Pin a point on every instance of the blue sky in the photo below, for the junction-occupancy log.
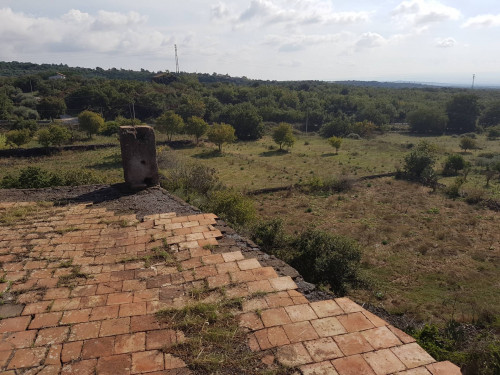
(409, 40)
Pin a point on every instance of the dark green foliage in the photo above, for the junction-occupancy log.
(419, 164)
(231, 206)
(493, 133)
(18, 137)
(36, 177)
(51, 107)
(325, 258)
(269, 235)
(25, 113)
(453, 164)
(245, 119)
(19, 124)
(109, 128)
(427, 120)
(475, 354)
(6, 106)
(337, 127)
(491, 115)
(463, 111)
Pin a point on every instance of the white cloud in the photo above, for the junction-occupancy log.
(421, 13)
(219, 11)
(297, 42)
(483, 20)
(446, 43)
(105, 32)
(370, 40)
(298, 12)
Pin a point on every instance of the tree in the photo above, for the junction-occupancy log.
(18, 137)
(245, 119)
(283, 135)
(463, 110)
(220, 134)
(90, 122)
(191, 106)
(51, 107)
(420, 162)
(427, 120)
(335, 142)
(170, 123)
(453, 164)
(491, 115)
(6, 106)
(196, 126)
(467, 143)
(337, 127)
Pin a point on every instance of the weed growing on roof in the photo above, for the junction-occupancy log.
(214, 343)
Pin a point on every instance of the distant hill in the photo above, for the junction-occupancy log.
(392, 85)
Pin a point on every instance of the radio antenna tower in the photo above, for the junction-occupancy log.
(473, 79)
(176, 60)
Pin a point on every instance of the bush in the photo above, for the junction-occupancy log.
(427, 120)
(454, 190)
(335, 142)
(36, 178)
(269, 235)
(493, 133)
(419, 164)
(328, 259)
(467, 143)
(109, 128)
(55, 135)
(18, 137)
(231, 206)
(453, 164)
(337, 127)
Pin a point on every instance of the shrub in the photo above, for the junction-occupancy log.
(231, 206)
(419, 164)
(328, 259)
(467, 143)
(18, 137)
(454, 190)
(54, 135)
(453, 164)
(337, 127)
(493, 133)
(427, 120)
(20, 124)
(474, 196)
(109, 128)
(335, 142)
(36, 178)
(269, 235)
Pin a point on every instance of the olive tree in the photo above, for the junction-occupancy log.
(170, 123)
(90, 122)
(283, 135)
(220, 134)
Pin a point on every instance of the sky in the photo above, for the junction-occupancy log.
(444, 41)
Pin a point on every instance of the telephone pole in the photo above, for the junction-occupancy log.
(176, 60)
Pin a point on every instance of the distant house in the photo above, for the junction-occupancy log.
(58, 76)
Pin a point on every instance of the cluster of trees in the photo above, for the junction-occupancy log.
(463, 113)
(333, 109)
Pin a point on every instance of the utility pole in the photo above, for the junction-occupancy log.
(473, 79)
(176, 60)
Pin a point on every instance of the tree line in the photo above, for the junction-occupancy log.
(329, 108)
